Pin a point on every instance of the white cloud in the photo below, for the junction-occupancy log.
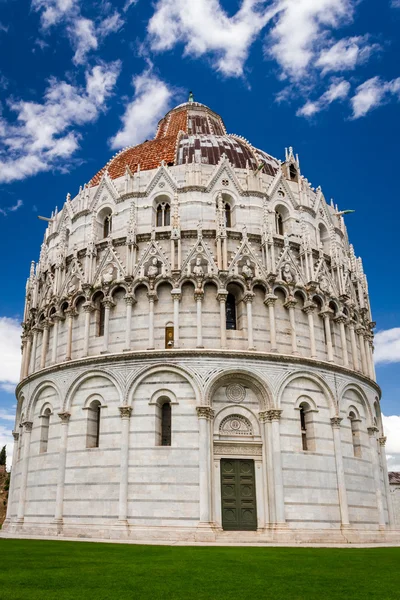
(301, 30)
(346, 54)
(16, 206)
(10, 351)
(373, 93)
(110, 24)
(44, 134)
(6, 415)
(54, 11)
(151, 101)
(395, 3)
(387, 346)
(338, 90)
(128, 4)
(391, 427)
(83, 38)
(205, 28)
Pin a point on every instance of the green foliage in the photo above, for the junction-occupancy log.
(60, 570)
(3, 456)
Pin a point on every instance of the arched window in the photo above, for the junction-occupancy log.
(306, 427)
(166, 424)
(293, 173)
(93, 425)
(107, 225)
(230, 311)
(355, 434)
(278, 223)
(101, 320)
(228, 215)
(44, 430)
(163, 215)
(324, 238)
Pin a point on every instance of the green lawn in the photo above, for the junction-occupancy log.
(81, 570)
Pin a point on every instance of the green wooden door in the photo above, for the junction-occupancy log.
(238, 495)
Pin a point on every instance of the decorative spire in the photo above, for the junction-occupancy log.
(191, 97)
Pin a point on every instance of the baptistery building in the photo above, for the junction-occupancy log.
(197, 355)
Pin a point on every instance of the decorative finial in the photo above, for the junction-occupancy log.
(191, 97)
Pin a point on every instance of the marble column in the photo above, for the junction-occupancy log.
(129, 302)
(54, 347)
(88, 308)
(389, 502)
(248, 299)
(27, 425)
(372, 431)
(205, 415)
(309, 309)
(269, 301)
(290, 306)
(62, 459)
(341, 483)
(108, 304)
(369, 356)
(24, 342)
(176, 296)
(199, 295)
(35, 331)
(275, 416)
(221, 297)
(354, 350)
(45, 343)
(268, 471)
(326, 315)
(342, 320)
(152, 298)
(28, 355)
(70, 317)
(364, 366)
(12, 481)
(125, 412)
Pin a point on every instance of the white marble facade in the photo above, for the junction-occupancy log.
(229, 292)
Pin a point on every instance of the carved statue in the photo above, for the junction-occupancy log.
(324, 284)
(287, 274)
(108, 275)
(198, 269)
(152, 270)
(247, 270)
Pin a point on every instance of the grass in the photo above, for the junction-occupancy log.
(33, 570)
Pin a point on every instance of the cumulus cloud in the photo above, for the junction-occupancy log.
(301, 30)
(10, 353)
(346, 54)
(373, 93)
(44, 134)
(151, 101)
(391, 426)
(203, 27)
(84, 34)
(387, 346)
(338, 90)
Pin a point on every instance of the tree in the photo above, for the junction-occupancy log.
(3, 456)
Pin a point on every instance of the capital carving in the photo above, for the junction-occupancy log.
(274, 414)
(88, 307)
(64, 416)
(372, 431)
(176, 295)
(326, 313)
(70, 312)
(27, 425)
(264, 416)
(309, 307)
(335, 422)
(198, 295)
(248, 297)
(270, 299)
(222, 295)
(205, 412)
(290, 303)
(382, 440)
(152, 296)
(360, 331)
(130, 299)
(125, 411)
(341, 318)
(15, 435)
(108, 303)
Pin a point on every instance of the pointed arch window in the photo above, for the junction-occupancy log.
(44, 430)
(93, 425)
(355, 434)
(278, 223)
(107, 225)
(167, 215)
(230, 311)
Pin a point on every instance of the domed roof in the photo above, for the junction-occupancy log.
(190, 132)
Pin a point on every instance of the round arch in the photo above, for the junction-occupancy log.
(87, 375)
(253, 381)
(363, 397)
(36, 393)
(317, 380)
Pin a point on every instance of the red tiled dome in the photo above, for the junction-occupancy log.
(190, 132)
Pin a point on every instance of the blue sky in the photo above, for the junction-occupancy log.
(78, 80)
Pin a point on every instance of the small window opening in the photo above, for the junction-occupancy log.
(278, 223)
(355, 434)
(307, 427)
(303, 429)
(230, 310)
(159, 216)
(107, 226)
(228, 215)
(101, 321)
(167, 215)
(44, 431)
(93, 425)
(163, 215)
(166, 424)
(293, 172)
